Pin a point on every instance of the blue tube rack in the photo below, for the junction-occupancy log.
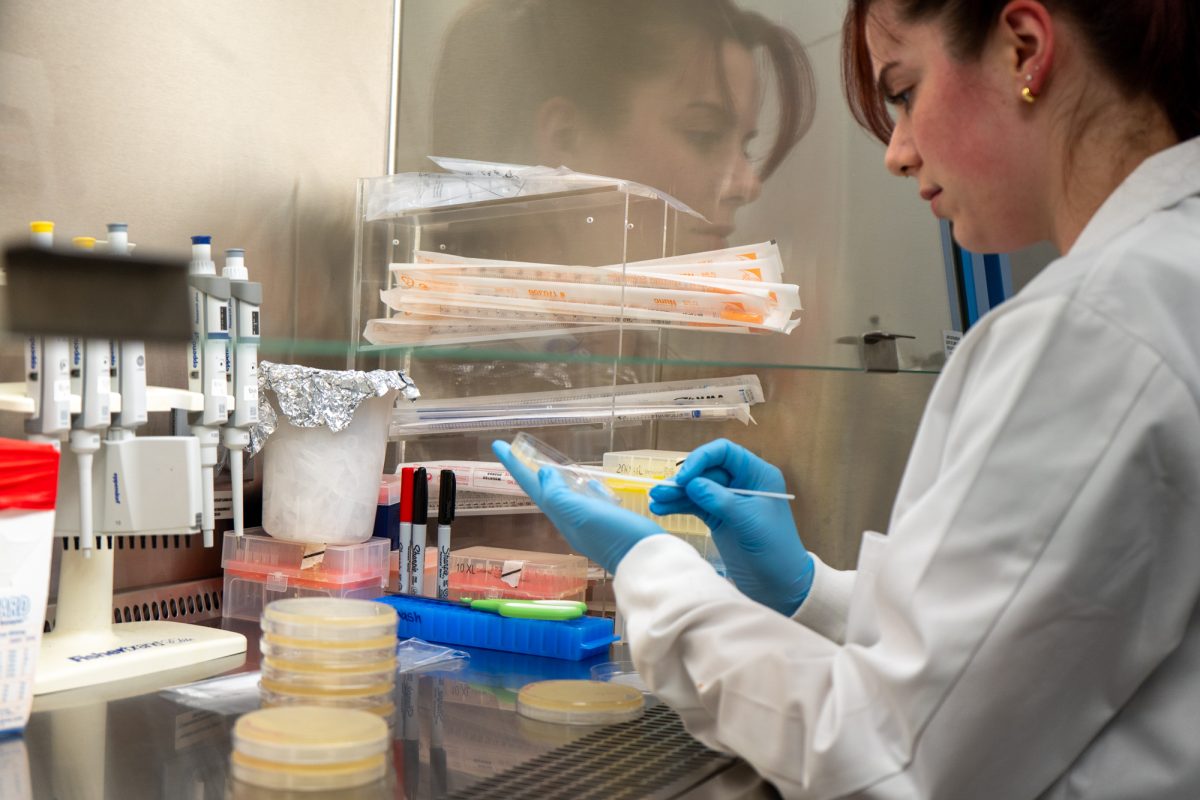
(449, 623)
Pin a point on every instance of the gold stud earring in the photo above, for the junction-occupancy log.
(1027, 93)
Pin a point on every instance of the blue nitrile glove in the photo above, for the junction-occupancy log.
(602, 531)
(757, 536)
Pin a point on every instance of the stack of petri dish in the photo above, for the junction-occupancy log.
(327, 651)
(309, 749)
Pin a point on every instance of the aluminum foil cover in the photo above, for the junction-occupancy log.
(310, 397)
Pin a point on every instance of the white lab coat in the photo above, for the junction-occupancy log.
(1028, 627)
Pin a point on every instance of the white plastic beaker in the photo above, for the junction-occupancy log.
(323, 487)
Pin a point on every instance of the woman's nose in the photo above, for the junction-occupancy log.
(743, 184)
(901, 157)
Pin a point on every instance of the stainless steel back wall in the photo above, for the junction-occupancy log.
(247, 121)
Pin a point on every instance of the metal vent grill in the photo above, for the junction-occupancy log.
(195, 601)
(649, 758)
(139, 542)
(190, 601)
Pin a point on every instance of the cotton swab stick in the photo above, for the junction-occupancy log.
(599, 473)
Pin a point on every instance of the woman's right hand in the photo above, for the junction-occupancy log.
(757, 536)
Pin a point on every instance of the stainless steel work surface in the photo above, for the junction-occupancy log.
(462, 737)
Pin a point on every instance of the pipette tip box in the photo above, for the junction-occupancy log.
(499, 572)
(450, 623)
(487, 572)
(635, 496)
(259, 569)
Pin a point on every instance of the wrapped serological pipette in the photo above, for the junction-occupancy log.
(705, 399)
(689, 294)
(440, 295)
(731, 274)
(457, 305)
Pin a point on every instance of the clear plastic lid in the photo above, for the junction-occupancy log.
(347, 647)
(575, 702)
(535, 454)
(623, 672)
(323, 667)
(329, 619)
(306, 736)
(381, 705)
(276, 676)
(287, 650)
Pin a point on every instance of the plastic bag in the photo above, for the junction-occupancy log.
(416, 655)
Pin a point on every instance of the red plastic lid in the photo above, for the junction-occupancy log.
(406, 495)
(28, 475)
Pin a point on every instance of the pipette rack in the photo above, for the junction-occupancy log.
(86, 647)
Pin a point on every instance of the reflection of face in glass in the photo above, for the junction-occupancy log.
(685, 130)
(662, 92)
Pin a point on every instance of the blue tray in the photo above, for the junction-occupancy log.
(449, 623)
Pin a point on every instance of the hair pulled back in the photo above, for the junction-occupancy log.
(1149, 48)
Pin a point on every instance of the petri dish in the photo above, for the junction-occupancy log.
(324, 667)
(287, 650)
(577, 702)
(622, 672)
(341, 620)
(329, 683)
(309, 748)
(382, 705)
(352, 648)
(315, 674)
(535, 454)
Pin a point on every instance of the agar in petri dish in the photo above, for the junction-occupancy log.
(308, 748)
(578, 702)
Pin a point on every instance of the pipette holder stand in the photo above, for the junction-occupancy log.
(142, 486)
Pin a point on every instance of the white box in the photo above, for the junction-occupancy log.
(25, 538)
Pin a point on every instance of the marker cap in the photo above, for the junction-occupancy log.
(446, 491)
(420, 496)
(406, 494)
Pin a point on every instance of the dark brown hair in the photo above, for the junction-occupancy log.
(1149, 47)
(502, 59)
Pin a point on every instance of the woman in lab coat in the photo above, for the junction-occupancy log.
(1028, 627)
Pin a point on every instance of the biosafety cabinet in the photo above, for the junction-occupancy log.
(863, 250)
(262, 147)
(574, 308)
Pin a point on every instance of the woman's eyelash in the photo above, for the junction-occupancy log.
(703, 138)
(899, 98)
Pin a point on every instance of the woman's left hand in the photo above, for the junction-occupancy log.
(600, 530)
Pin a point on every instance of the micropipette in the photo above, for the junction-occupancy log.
(91, 358)
(242, 360)
(207, 372)
(48, 370)
(128, 361)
